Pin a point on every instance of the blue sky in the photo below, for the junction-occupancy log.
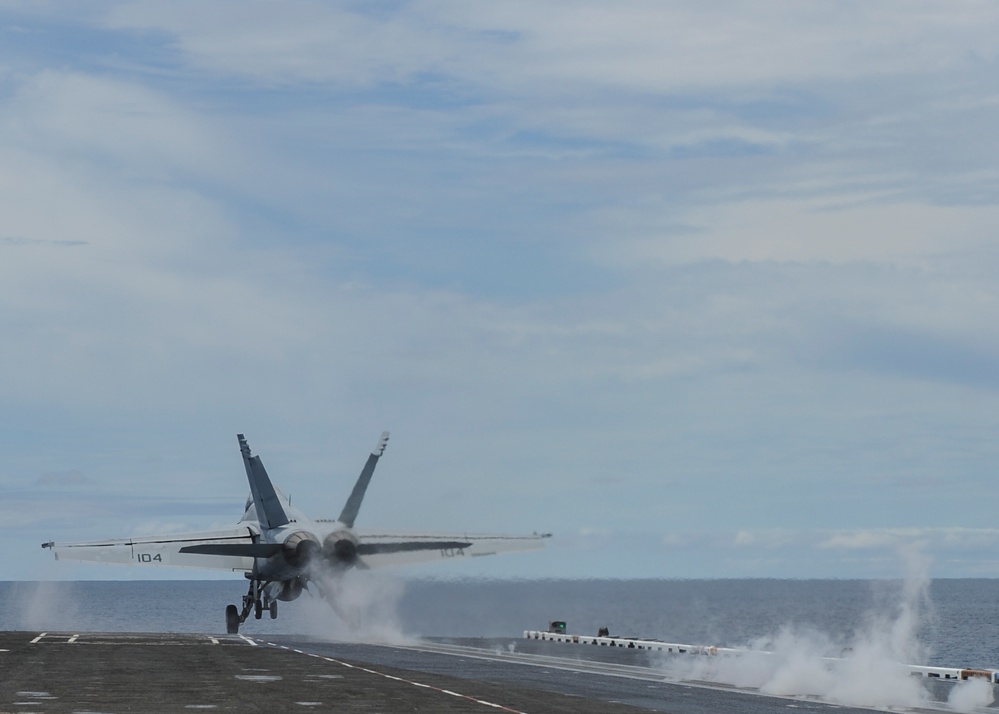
(703, 292)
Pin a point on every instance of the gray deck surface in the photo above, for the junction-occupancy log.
(141, 672)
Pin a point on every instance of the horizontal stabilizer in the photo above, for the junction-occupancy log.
(243, 550)
(410, 547)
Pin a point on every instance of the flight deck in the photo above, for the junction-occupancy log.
(117, 672)
(144, 672)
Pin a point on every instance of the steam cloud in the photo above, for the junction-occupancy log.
(356, 606)
(859, 670)
(47, 605)
(971, 695)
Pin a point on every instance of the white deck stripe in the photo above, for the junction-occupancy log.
(410, 682)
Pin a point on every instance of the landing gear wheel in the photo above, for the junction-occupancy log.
(273, 609)
(232, 620)
(253, 602)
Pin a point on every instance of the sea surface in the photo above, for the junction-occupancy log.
(941, 622)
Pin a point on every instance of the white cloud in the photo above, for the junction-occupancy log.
(833, 230)
(879, 538)
(771, 539)
(116, 124)
(647, 46)
(311, 42)
(870, 539)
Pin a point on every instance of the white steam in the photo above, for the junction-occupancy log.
(47, 605)
(969, 696)
(862, 669)
(356, 606)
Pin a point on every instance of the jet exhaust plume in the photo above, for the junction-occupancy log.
(352, 606)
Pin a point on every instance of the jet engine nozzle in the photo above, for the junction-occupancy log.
(340, 549)
(300, 548)
(290, 590)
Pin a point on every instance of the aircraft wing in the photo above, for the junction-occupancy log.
(162, 550)
(378, 548)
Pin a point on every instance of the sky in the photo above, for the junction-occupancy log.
(701, 290)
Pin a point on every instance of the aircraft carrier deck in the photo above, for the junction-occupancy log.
(142, 672)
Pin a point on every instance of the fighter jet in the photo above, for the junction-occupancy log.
(282, 552)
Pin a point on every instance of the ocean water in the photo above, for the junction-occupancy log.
(941, 622)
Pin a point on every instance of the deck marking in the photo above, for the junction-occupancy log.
(410, 682)
(259, 677)
(247, 639)
(214, 641)
(35, 641)
(34, 695)
(72, 639)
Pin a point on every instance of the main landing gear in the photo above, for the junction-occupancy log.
(256, 600)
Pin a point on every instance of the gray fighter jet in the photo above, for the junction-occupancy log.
(281, 551)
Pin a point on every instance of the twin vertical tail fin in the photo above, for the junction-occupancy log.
(270, 512)
(349, 513)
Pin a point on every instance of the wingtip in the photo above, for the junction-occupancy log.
(382, 443)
